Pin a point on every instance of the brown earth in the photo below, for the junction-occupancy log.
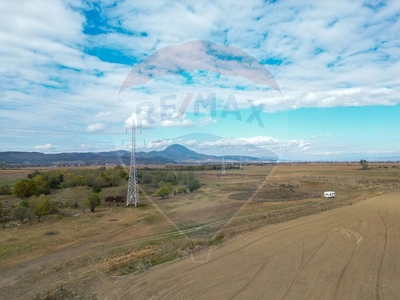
(314, 257)
(274, 195)
(347, 253)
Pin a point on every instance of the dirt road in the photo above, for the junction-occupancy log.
(348, 253)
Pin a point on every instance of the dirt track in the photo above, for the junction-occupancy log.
(348, 253)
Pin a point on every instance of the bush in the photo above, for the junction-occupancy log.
(41, 206)
(80, 181)
(165, 190)
(115, 199)
(25, 188)
(24, 203)
(181, 190)
(193, 184)
(5, 190)
(21, 213)
(93, 201)
(96, 189)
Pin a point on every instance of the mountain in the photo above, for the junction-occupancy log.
(172, 154)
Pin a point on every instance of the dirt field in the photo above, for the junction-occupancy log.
(346, 253)
(326, 252)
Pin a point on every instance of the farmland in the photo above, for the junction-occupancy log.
(274, 218)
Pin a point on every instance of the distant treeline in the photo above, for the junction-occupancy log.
(42, 182)
(166, 180)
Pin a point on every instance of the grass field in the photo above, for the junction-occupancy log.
(11, 177)
(126, 240)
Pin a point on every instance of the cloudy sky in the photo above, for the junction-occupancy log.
(307, 80)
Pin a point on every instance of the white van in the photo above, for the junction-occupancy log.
(329, 194)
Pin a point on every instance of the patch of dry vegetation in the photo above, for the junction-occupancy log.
(131, 240)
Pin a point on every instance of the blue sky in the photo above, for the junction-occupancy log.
(322, 78)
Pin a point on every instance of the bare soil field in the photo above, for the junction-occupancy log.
(306, 243)
(347, 253)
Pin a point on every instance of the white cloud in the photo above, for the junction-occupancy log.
(104, 114)
(190, 143)
(141, 120)
(154, 144)
(96, 127)
(177, 123)
(207, 120)
(45, 147)
(327, 54)
(261, 142)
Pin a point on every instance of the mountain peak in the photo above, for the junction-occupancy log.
(176, 148)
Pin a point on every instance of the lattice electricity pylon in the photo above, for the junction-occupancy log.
(133, 195)
(223, 164)
(241, 166)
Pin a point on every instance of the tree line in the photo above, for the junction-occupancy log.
(42, 182)
(88, 188)
(164, 183)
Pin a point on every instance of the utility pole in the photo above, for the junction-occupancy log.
(133, 195)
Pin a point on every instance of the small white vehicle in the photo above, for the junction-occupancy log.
(329, 194)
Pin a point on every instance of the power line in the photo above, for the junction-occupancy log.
(133, 195)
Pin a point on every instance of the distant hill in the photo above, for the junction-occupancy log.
(172, 154)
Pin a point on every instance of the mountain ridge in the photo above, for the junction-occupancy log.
(175, 153)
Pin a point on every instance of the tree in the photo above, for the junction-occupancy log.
(146, 178)
(193, 184)
(180, 190)
(24, 203)
(80, 181)
(42, 185)
(170, 177)
(68, 180)
(96, 189)
(93, 201)
(364, 164)
(25, 188)
(54, 179)
(165, 190)
(41, 206)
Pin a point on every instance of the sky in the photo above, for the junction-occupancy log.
(305, 80)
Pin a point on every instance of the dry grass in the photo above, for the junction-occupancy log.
(25, 242)
(130, 240)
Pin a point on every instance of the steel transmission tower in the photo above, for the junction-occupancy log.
(241, 166)
(133, 195)
(223, 164)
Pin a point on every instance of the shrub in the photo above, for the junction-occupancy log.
(21, 213)
(41, 206)
(5, 190)
(96, 189)
(93, 201)
(165, 190)
(193, 184)
(25, 188)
